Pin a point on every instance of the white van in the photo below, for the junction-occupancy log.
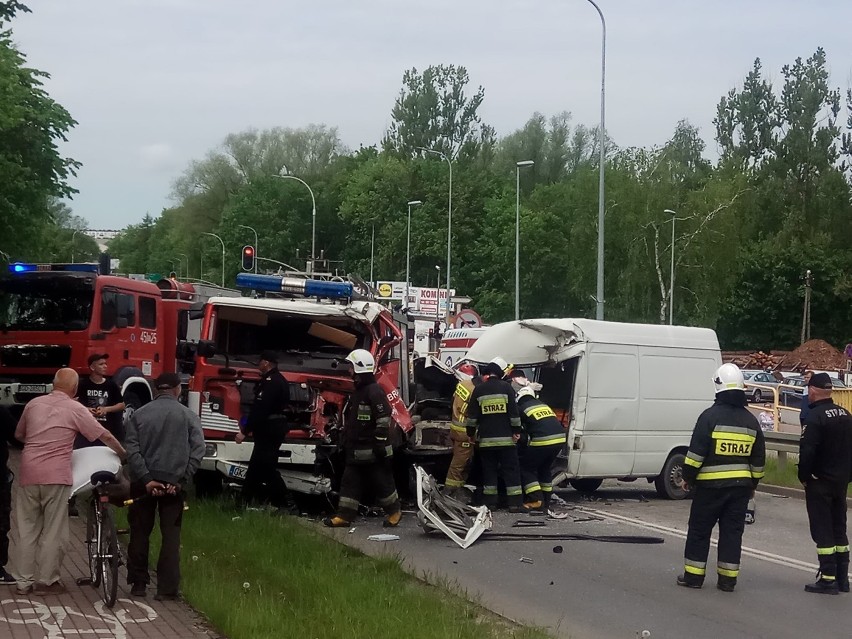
(629, 394)
(455, 344)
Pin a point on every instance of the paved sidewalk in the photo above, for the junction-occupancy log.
(80, 612)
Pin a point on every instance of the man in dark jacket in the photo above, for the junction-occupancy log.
(724, 463)
(165, 446)
(366, 432)
(545, 437)
(267, 425)
(7, 436)
(493, 419)
(825, 469)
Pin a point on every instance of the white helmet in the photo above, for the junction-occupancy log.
(729, 377)
(525, 391)
(362, 361)
(505, 366)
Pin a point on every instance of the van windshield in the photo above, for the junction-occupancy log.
(46, 303)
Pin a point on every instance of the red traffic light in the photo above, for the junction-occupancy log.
(248, 258)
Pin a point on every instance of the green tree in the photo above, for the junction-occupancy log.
(32, 170)
(434, 111)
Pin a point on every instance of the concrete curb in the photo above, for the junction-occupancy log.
(785, 491)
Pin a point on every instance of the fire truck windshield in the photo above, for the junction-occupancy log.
(56, 303)
(301, 343)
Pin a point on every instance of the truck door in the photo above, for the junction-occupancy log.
(118, 327)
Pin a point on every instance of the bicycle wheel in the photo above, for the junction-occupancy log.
(110, 554)
(92, 549)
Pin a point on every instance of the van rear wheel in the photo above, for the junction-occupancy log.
(668, 481)
(588, 485)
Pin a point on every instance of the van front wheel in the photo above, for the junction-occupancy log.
(668, 482)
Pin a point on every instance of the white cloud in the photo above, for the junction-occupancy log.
(157, 83)
(158, 158)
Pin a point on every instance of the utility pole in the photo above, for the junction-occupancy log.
(806, 312)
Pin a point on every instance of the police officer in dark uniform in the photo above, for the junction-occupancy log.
(825, 469)
(724, 463)
(266, 424)
(366, 427)
(493, 419)
(545, 437)
(7, 436)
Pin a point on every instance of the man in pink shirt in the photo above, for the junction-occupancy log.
(47, 429)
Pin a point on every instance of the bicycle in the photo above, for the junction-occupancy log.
(102, 546)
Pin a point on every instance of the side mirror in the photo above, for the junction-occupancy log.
(185, 351)
(206, 348)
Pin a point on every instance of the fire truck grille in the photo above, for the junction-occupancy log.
(35, 356)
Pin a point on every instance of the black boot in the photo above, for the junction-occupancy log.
(823, 586)
(843, 571)
(690, 581)
(726, 584)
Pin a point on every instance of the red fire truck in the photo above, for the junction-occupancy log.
(312, 325)
(57, 315)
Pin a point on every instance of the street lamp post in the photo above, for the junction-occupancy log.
(408, 251)
(187, 264)
(518, 166)
(256, 252)
(438, 299)
(223, 254)
(73, 235)
(372, 251)
(449, 219)
(313, 216)
(599, 296)
(671, 276)
(172, 262)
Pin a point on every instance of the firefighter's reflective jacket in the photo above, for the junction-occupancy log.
(460, 402)
(540, 423)
(492, 414)
(366, 425)
(727, 446)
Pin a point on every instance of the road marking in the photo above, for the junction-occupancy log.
(58, 622)
(781, 560)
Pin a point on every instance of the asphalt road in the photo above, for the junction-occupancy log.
(595, 590)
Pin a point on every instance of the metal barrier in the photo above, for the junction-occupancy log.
(782, 443)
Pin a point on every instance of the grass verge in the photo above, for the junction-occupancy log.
(260, 576)
(776, 476)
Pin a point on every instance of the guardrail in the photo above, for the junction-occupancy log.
(782, 443)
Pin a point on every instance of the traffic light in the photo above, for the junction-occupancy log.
(248, 258)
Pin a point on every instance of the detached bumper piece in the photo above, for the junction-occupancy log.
(463, 524)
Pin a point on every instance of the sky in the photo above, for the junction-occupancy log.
(155, 84)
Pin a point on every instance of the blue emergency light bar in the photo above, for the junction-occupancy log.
(82, 267)
(308, 288)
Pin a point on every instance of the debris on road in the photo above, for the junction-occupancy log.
(557, 549)
(383, 537)
(462, 523)
(526, 560)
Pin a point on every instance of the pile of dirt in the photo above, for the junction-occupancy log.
(815, 354)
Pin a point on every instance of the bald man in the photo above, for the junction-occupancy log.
(47, 429)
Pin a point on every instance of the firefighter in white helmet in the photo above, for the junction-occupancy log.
(724, 464)
(366, 431)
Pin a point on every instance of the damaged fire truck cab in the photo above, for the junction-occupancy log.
(628, 394)
(311, 336)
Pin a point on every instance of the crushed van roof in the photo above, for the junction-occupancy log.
(535, 341)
